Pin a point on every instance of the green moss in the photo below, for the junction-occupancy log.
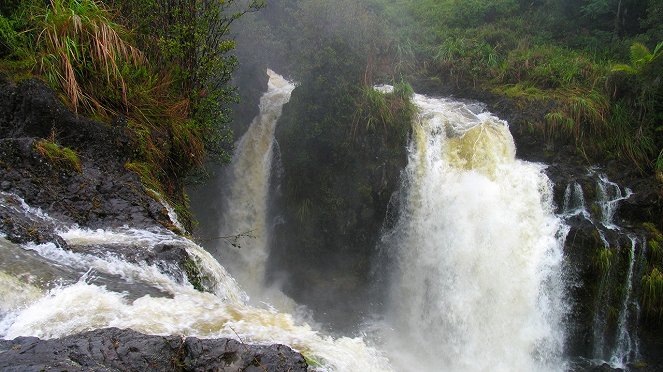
(603, 259)
(194, 275)
(652, 294)
(57, 155)
(522, 91)
(639, 365)
(312, 362)
(147, 177)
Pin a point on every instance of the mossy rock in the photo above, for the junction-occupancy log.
(194, 275)
(57, 155)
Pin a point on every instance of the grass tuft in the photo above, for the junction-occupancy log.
(79, 41)
(603, 259)
(652, 294)
(60, 156)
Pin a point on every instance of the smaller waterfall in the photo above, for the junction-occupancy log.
(610, 195)
(626, 348)
(245, 194)
(615, 334)
(574, 201)
(616, 312)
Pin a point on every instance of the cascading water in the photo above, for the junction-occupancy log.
(61, 292)
(246, 192)
(574, 201)
(51, 292)
(478, 285)
(614, 342)
(610, 195)
(626, 347)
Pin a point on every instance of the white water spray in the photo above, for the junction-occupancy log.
(82, 306)
(610, 195)
(574, 202)
(64, 307)
(246, 193)
(626, 348)
(478, 285)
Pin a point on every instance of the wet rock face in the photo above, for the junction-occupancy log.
(102, 194)
(114, 349)
(22, 226)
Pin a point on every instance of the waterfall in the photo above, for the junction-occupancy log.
(613, 341)
(245, 193)
(52, 292)
(610, 195)
(478, 285)
(626, 348)
(574, 201)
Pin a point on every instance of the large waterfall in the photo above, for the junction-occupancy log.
(478, 251)
(245, 193)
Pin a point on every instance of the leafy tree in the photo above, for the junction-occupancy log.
(190, 40)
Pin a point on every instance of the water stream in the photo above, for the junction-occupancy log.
(614, 341)
(175, 307)
(245, 195)
(87, 286)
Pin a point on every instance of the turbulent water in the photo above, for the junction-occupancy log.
(478, 251)
(475, 260)
(245, 194)
(50, 292)
(76, 303)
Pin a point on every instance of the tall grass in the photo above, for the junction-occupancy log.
(78, 42)
(387, 114)
(652, 294)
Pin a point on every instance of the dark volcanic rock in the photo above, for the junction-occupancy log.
(23, 226)
(103, 194)
(114, 349)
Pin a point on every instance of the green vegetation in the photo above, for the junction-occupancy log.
(193, 274)
(588, 71)
(76, 41)
(164, 65)
(652, 280)
(603, 259)
(566, 56)
(57, 155)
(388, 114)
(652, 296)
(312, 362)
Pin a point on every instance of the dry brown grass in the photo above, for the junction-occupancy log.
(79, 41)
